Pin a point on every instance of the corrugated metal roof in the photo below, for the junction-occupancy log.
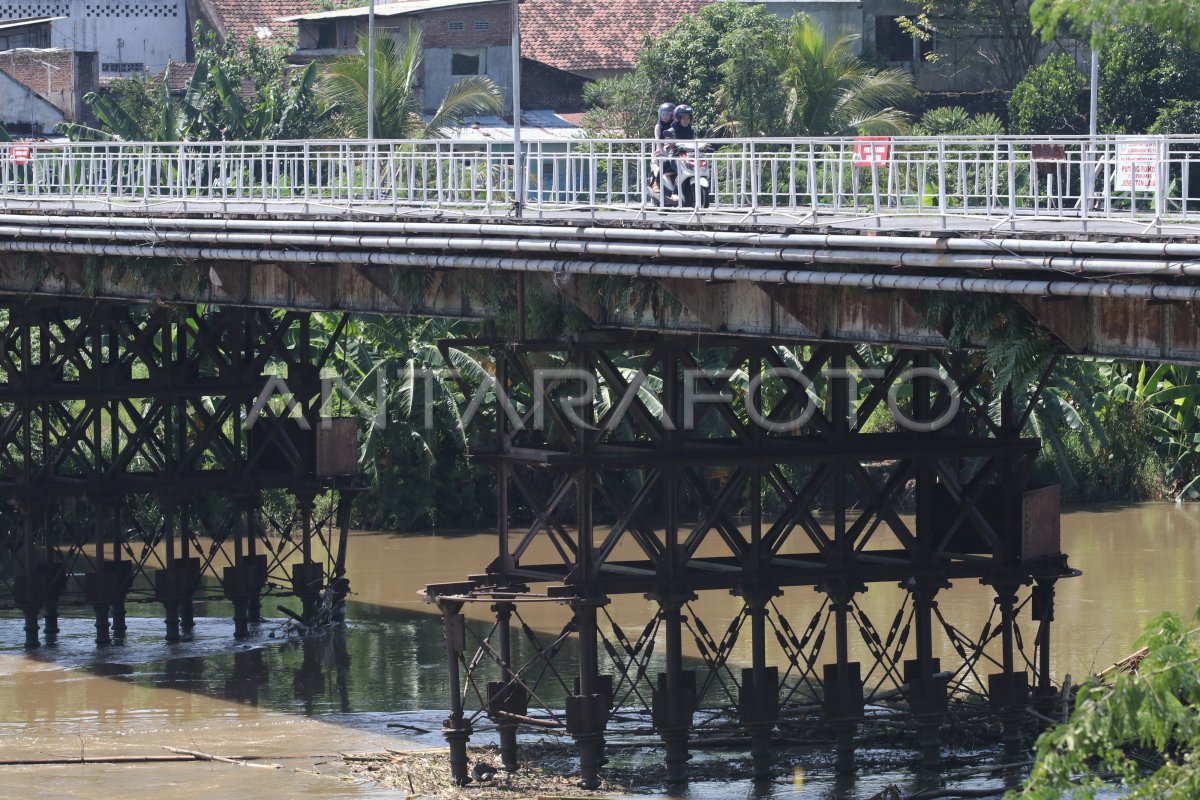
(536, 126)
(20, 23)
(392, 9)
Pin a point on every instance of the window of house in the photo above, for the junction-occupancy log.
(327, 36)
(467, 62)
(457, 25)
(482, 25)
(892, 43)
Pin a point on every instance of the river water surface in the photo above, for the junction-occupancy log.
(298, 703)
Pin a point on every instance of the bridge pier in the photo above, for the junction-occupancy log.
(685, 496)
(133, 430)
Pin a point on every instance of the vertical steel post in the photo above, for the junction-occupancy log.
(507, 726)
(30, 600)
(455, 728)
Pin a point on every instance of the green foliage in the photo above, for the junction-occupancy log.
(684, 65)
(832, 92)
(751, 100)
(955, 121)
(1049, 99)
(234, 94)
(4, 137)
(624, 107)
(1140, 73)
(1178, 117)
(748, 73)
(1176, 18)
(343, 85)
(420, 475)
(1141, 730)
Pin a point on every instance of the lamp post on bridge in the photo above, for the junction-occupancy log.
(518, 155)
(371, 71)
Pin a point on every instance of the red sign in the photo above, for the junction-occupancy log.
(19, 153)
(872, 151)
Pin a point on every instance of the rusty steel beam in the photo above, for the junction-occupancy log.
(649, 506)
(127, 455)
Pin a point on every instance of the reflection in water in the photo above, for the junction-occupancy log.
(339, 691)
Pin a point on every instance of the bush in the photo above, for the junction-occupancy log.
(955, 121)
(1050, 99)
(1178, 116)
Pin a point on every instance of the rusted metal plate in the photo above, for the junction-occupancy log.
(1130, 328)
(1068, 320)
(866, 314)
(1041, 531)
(337, 447)
(1185, 332)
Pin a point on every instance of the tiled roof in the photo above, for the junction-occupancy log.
(244, 19)
(580, 35)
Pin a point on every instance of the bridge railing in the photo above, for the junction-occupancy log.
(1138, 179)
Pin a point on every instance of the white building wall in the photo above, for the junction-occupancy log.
(436, 79)
(129, 35)
(25, 110)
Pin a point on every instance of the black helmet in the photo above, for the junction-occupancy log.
(666, 108)
(682, 109)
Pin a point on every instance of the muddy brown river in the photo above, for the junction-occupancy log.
(296, 703)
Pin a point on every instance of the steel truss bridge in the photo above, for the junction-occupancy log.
(149, 286)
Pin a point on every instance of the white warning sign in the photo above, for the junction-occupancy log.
(1137, 165)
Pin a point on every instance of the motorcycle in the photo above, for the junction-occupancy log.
(693, 174)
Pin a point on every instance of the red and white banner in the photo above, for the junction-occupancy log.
(872, 151)
(19, 153)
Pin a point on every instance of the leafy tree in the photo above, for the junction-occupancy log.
(831, 91)
(751, 101)
(1140, 72)
(397, 101)
(1005, 23)
(4, 137)
(624, 107)
(747, 72)
(684, 64)
(1141, 729)
(1176, 117)
(1176, 18)
(1049, 99)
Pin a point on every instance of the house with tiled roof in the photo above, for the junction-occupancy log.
(596, 38)
(262, 20)
(564, 43)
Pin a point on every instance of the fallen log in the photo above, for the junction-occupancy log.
(210, 757)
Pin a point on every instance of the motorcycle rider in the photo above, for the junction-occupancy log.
(681, 129)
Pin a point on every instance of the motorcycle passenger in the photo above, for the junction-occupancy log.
(666, 117)
(681, 129)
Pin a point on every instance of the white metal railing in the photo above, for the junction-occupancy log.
(1145, 179)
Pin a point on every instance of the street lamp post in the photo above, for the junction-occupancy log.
(518, 155)
(371, 70)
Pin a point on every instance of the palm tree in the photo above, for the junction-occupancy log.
(397, 102)
(833, 92)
